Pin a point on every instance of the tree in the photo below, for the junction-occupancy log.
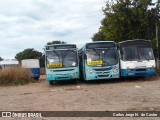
(42, 61)
(56, 42)
(128, 19)
(29, 53)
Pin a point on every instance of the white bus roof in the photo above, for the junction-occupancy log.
(133, 40)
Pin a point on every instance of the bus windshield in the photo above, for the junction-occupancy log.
(102, 57)
(61, 58)
(137, 53)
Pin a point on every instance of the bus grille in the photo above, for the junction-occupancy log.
(62, 77)
(62, 70)
(140, 69)
(102, 69)
(103, 75)
(102, 72)
(62, 74)
(140, 74)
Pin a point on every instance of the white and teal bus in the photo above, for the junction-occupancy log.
(99, 60)
(61, 61)
(136, 58)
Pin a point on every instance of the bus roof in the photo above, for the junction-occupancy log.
(100, 44)
(84, 46)
(134, 40)
(60, 46)
(100, 41)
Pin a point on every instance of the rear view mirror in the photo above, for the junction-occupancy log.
(85, 56)
(119, 54)
(150, 54)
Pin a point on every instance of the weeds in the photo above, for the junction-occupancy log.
(15, 76)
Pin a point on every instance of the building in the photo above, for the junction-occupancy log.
(8, 63)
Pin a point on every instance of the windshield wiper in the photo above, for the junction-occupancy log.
(57, 55)
(96, 52)
(107, 50)
(105, 63)
(143, 55)
(64, 55)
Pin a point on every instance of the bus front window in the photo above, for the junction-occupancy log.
(69, 58)
(146, 54)
(130, 54)
(103, 57)
(137, 53)
(53, 58)
(93, 55)
(61, 58)
(110, 56)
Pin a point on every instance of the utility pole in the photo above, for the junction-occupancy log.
(157, 45)
(157, 25)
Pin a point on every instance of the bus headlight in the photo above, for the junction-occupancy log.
(115, 69)
(90, 71)
(75, 73)
(149, 69)
(49, 75)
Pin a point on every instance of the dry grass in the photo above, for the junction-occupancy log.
(15, 76)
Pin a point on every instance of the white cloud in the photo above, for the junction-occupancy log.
(33, 23)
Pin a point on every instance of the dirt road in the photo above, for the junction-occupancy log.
(110, 95)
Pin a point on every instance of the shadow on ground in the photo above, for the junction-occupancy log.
(104, 81)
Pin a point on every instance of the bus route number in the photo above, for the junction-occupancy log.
(54, 65)
(95, 62)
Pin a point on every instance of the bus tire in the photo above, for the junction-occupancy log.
(36, 78)
(50, 82)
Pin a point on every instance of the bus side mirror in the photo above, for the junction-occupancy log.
(119, 54)
(85, 56)
(150, 54)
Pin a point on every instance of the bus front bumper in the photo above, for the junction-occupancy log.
(58, 78)
(101, 76)
(138, 72)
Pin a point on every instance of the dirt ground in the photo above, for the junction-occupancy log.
(137, 94)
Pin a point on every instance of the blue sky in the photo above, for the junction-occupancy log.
(33, 23)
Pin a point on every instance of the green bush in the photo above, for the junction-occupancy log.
(15, 76)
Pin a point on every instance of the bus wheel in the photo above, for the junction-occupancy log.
(50, 82)
(36, 78)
